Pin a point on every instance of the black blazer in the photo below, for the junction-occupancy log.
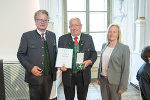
(30, 54)
(143, 76)
(87, 47)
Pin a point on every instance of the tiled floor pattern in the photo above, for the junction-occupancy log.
(94, 93)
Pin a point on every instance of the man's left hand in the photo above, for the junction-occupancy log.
(87, 63)
(120, 92)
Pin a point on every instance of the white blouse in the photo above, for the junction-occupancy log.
(105, 60)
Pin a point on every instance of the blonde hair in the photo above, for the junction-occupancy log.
(119, 31)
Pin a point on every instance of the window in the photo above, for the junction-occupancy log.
(94, 16)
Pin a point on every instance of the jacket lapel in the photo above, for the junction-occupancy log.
(37, 35)
(48, 38)
(70, 41)
(81, 43)
(103, 49)
(114, 51)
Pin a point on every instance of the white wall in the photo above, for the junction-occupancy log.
(16, 17)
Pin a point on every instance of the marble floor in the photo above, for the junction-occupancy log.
(94, 93)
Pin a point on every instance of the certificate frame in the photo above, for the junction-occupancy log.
(64, 58)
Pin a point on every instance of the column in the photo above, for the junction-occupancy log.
(141, 10)
(140, 35)
(140, 28)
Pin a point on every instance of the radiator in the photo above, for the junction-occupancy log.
(15, 87)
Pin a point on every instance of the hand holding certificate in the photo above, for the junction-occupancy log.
(81, 65)
(64, 57)
(79, 62)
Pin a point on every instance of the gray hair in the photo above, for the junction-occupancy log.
(74, 19)
(40, 12)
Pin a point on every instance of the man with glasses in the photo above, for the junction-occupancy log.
(80, 73)
(37, 54)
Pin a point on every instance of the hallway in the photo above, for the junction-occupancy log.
(94, 93)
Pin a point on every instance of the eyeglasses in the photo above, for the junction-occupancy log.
(43, 20)
(75, 25)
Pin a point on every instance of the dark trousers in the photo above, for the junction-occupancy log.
(142, 93)
(109, 91)
(143, 97)
(43, 91)
(77, 79)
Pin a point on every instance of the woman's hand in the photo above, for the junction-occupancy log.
(120, 92)
(98, 82)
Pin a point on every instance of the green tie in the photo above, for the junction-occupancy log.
(75, 50)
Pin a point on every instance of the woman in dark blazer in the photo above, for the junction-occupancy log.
(113, 69)
(143, 74)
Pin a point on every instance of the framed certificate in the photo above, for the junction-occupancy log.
(64, 57)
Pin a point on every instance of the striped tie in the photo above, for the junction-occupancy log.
(42, 36)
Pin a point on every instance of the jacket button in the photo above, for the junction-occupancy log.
(42, 63)
(42, 55)
(42, 47)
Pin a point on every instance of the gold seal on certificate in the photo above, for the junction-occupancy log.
(64, 57)
(80, 58)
